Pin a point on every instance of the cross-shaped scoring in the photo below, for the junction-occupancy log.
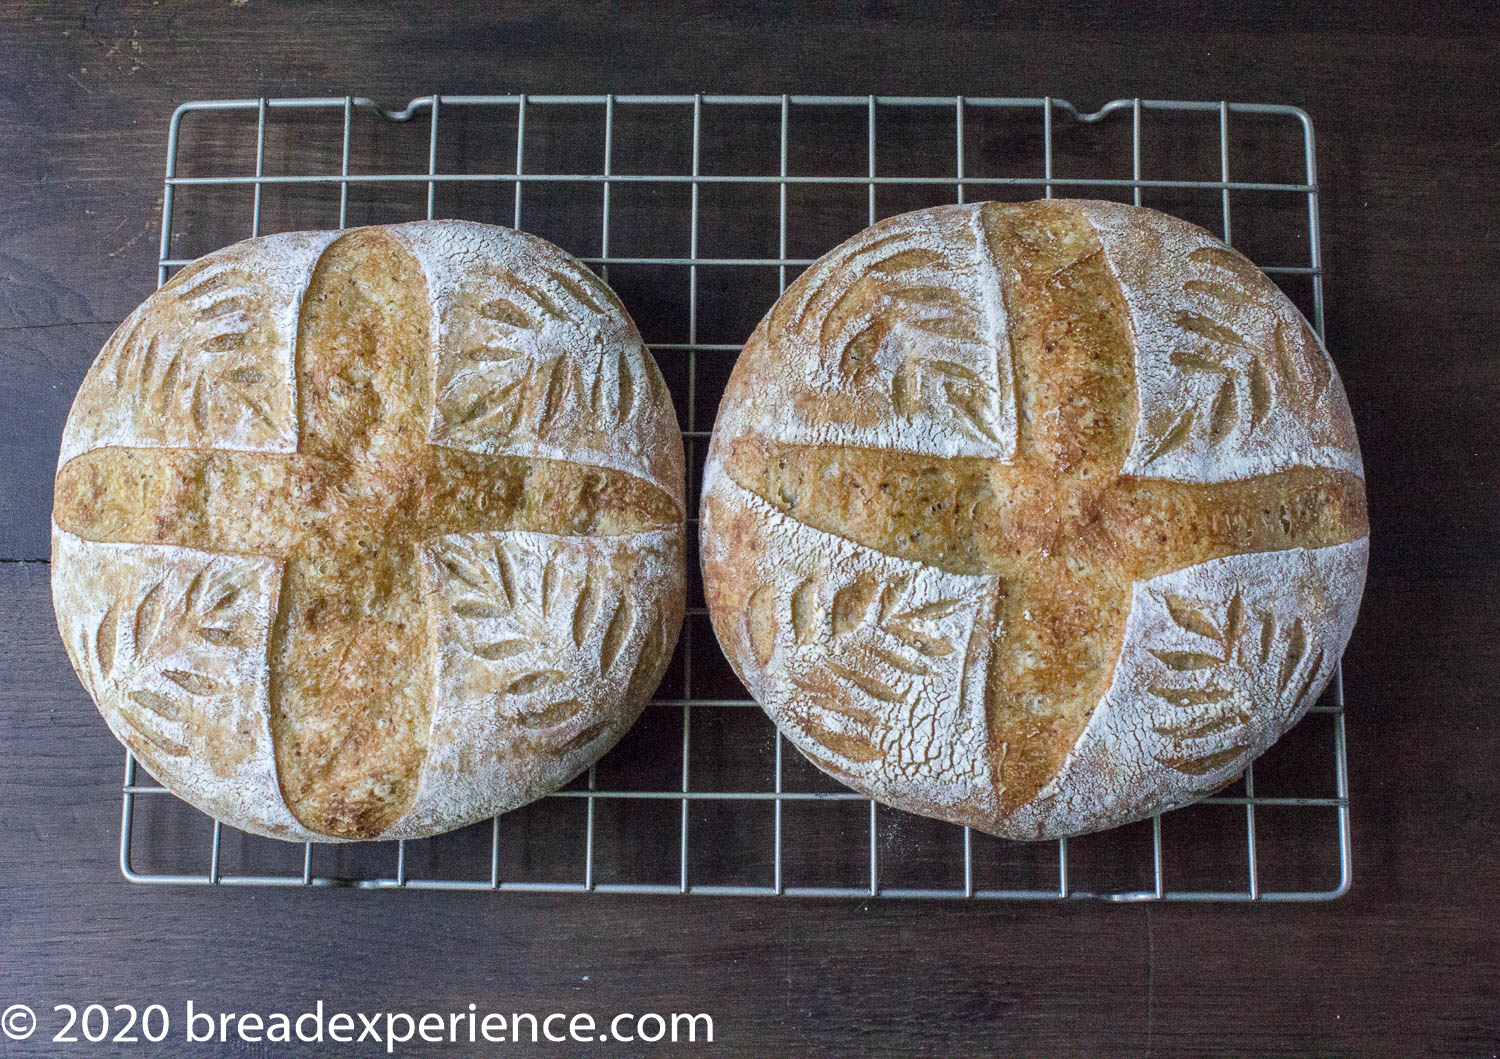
(1066, 531)
(352, 651)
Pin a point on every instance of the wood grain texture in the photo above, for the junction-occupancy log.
(1408, 964)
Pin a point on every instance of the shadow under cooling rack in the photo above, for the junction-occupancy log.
(699, 210)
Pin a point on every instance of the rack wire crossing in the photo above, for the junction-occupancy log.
(968, 859)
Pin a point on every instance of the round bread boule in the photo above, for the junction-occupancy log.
(1037, 517)
(371, 534)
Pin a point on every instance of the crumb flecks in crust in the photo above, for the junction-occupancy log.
(174, 415)
(1071, 531)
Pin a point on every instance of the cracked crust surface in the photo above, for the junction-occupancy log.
(371, 534)
(942, 593)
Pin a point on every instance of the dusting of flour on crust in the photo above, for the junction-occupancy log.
(535, 356)
(1231, 380)
(880, 668)
(172, 642)
(922, 367)
(1216, 664)
(180, 635)
(528, 691)
(206, 361)
(875, 666)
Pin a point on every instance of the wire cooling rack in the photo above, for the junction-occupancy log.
(699, 209)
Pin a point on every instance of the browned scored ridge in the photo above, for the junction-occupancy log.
(1063, 529)
(351, 654)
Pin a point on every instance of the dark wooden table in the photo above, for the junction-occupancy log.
(1408, 112)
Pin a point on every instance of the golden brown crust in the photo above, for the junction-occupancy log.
(351, 515)
(243, 503)
(1060, 524)
(351, 661)
(972, 516)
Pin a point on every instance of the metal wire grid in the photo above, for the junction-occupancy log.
(1049, 886)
